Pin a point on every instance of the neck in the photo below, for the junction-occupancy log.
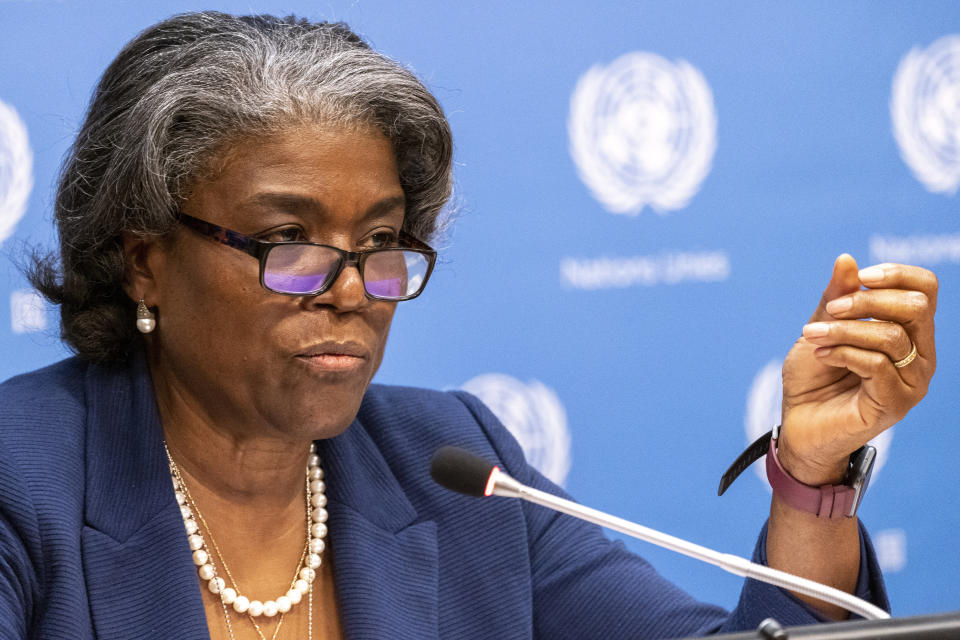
(242, 479)
(228, 450)
(256, 473)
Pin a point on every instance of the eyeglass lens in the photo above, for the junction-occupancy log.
(304, 269)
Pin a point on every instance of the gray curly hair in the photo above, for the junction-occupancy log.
(173, 100)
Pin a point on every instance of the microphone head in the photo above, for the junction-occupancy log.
(461, 471)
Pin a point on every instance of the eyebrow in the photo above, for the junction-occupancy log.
(294, 202)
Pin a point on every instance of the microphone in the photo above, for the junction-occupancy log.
(462, 471)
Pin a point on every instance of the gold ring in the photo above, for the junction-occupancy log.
(900, 364)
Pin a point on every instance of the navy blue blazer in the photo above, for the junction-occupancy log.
(92, 544)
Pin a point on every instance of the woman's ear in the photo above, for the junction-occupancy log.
(140, 253)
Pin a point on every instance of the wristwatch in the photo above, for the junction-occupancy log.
(827, 501)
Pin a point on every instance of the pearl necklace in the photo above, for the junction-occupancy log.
(310, 559)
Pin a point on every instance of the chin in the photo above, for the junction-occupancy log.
(319, 404)
(327, 417)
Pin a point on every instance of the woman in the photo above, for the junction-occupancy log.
(241, 212)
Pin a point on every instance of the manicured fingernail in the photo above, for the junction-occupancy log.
(871, 275)
(823, 352)
(839, 305)
(816, 330)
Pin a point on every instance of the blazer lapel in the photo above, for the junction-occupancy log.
(138, 568)
(385, 562)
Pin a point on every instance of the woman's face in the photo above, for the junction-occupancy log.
(230, 351)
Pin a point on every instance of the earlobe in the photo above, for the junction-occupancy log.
(139, 280)
(140, 255)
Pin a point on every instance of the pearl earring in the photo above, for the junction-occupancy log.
(146, 321)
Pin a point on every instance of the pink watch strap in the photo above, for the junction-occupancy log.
(828, 501)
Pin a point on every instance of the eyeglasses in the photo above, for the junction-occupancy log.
(309, 269)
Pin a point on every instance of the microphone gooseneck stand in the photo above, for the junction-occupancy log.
(504, 485)
(461, 471)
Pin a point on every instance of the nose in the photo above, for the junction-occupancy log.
(347, 292)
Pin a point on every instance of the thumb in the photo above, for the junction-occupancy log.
(843, 281)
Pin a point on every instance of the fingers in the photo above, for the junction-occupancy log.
(899, 293)
(912, 310)
(901, 276)
(903, 296)
(893, 305)
(888, 338)
(886, 396)
(843, 280)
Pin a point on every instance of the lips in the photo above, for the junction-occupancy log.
(335, 356)
(332, 348)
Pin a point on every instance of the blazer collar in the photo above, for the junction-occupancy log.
(137, 563)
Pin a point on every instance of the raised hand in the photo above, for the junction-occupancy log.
(840, 383)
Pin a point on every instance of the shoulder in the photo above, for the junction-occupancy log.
(62, 375)
(42, 417)
(423, 420)
(401, 402)
(42, 422)
(42, 401)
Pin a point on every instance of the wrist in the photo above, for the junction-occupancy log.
(811, 472)
(826, 489)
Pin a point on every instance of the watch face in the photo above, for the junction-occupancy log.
(858, 475)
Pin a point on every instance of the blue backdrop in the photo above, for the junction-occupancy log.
(650, 197)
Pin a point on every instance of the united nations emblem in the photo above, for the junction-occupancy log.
(534, 415)
(925, 112)
(642, 132)
(16, 170)
(764, 404)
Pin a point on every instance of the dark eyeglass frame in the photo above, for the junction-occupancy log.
(260, 249)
